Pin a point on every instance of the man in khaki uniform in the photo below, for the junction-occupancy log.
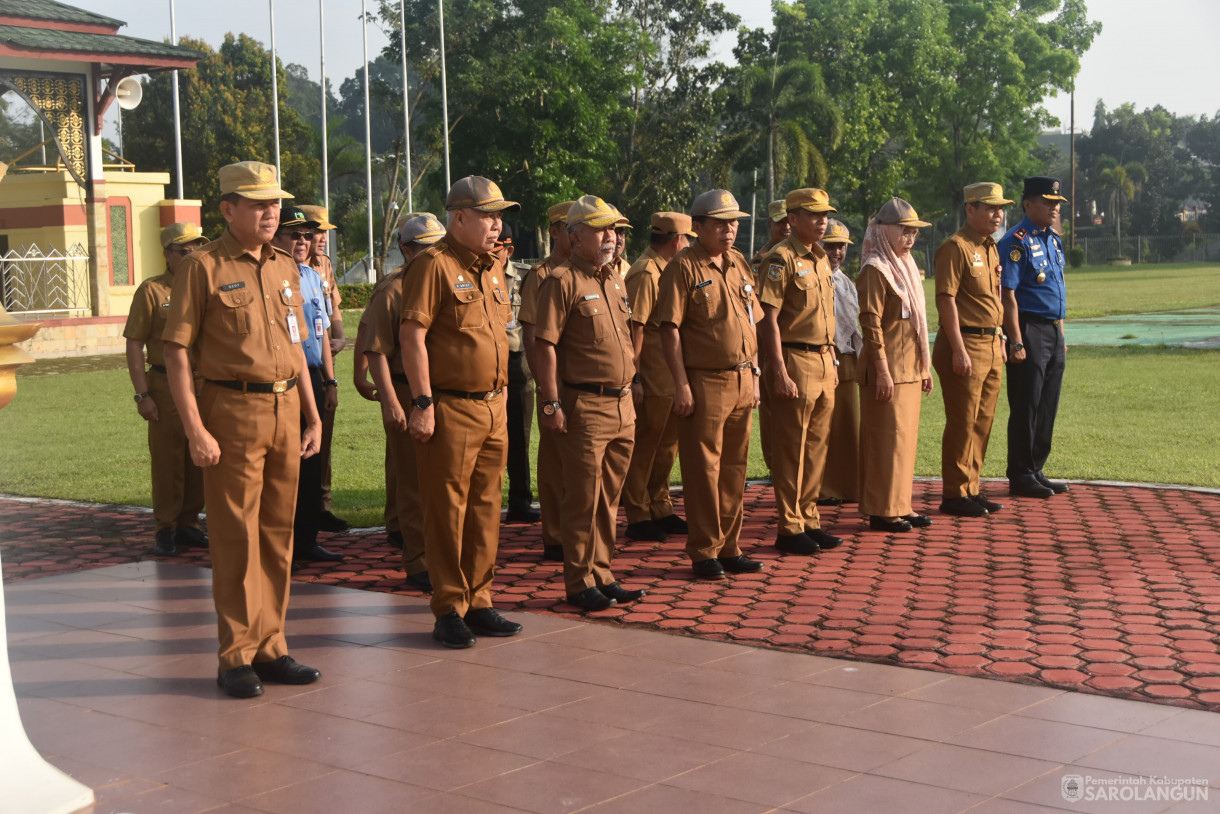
(520, 399)
(584, 342)
(620, 265)
(706, 308)
(177, 484)
(378, 342)
(839, 474)
(319, 261)
(454, 338)
(650, 511)
(968, 353)
(778, 230)
(236, 305)
(550, 465)
(798, 331)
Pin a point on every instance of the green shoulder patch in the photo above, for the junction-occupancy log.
(775, 271)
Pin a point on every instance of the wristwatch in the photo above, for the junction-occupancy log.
(757, 371)
(140, 396)
(422, 402)
(330, 382)
(1016, 346)
(551, 407)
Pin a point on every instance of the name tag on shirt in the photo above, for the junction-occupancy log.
(703, 284)
(294, 330)
(233, 286)
(466, 286)
(592, 297)
(802, 272)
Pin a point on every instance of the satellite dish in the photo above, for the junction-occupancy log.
(128, 92)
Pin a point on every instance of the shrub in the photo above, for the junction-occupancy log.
(1076, 257)
(355, 295)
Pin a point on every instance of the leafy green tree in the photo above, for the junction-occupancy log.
(1203, 140)
(225, 103)
(18, 129)
(1119, 183)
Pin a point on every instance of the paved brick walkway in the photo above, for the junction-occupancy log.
(1108, 589)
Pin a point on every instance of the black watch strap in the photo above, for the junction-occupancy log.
(422, 402)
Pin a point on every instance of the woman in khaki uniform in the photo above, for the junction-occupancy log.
(895, 366)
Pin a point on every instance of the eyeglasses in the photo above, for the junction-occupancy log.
(297, 235)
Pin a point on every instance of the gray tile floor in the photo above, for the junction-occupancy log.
(114, 674)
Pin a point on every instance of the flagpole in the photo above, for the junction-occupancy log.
(368, 134)
(406, 110)
(444, 93)
(275, 96)
(322, 74)
(173, 35)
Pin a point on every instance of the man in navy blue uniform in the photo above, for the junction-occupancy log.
(1034, 308)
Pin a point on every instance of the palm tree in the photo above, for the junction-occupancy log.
(778, 108)
(1119, 182)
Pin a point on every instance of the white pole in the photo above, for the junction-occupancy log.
(406, 110)
(118, 114)
(368, 135)
(322, 74)
(275, 96)
(173, 35)
(444, 93)
(754, 211)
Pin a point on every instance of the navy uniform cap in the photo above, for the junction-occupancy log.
(1043, 186)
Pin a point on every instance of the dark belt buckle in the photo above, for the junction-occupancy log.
(279, 387)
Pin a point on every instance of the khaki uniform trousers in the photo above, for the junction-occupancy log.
(889, 435)
(842, 453)
(328, 435)
(405, 497)
(391, 489)
(799, 437)
(765, 397)
(714, 448)
(460, 470)
(550, 485)
(970, 406)
(251, 496)
(596, 450)
(177, 484)
(646, 489)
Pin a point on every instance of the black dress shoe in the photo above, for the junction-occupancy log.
(552, 553)
(286, 670)
(591, 599)
(451, 631)
(420, 582)
(1055, 486)
(824, 539)
(164, 544)
(741, 564)
(489, 622)
(189, 536)
(708, 569)
(522, 514)
(328, 522)
(318, 554)
(240, 682)
(800, 543)
(918, 521)
(1029, 488)
(673, 525)
(962, 507)
(990, 505)
(646, 531)
(830, 501)
(620, 594)
(893, 526)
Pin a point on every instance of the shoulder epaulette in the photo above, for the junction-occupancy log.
(1020, 234)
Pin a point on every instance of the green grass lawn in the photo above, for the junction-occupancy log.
(1132, 414)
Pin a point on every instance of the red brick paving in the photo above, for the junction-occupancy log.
(1108, 590)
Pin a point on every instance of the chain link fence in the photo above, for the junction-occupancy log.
(35, 281)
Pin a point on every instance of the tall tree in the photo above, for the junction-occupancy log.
(1118, 183)
(226, 104)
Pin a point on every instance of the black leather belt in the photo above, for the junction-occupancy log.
(1038, 319)
(807, 347)
(401, 379)
(159, 368)
(746, 365)
(600, 390)
(486, 395)
(966, 329)
(258, 387)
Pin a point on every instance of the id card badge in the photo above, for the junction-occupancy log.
(746, 289)
(330, 306)
(294, 331)
(906, 312)
(319, 328)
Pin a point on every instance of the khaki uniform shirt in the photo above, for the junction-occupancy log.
(233, 311)
(642, 283)
(621, 267)
(381, 319)
(887, 335)
(516, 273)
(584, 313)
(799, 283)
(968, 269)
(714, 310)
(528, 312)
(461, 298)
(146, 319)
(330, 285)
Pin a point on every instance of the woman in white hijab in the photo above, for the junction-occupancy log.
(895, 366)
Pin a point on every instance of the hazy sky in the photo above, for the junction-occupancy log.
(1146, 54)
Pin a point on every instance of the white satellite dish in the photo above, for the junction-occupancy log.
(128, 93)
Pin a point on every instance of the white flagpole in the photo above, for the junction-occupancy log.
(444, 93)
(173, 35)
(275, 96)
(322, 74)
(368, 134)
(406, 111)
